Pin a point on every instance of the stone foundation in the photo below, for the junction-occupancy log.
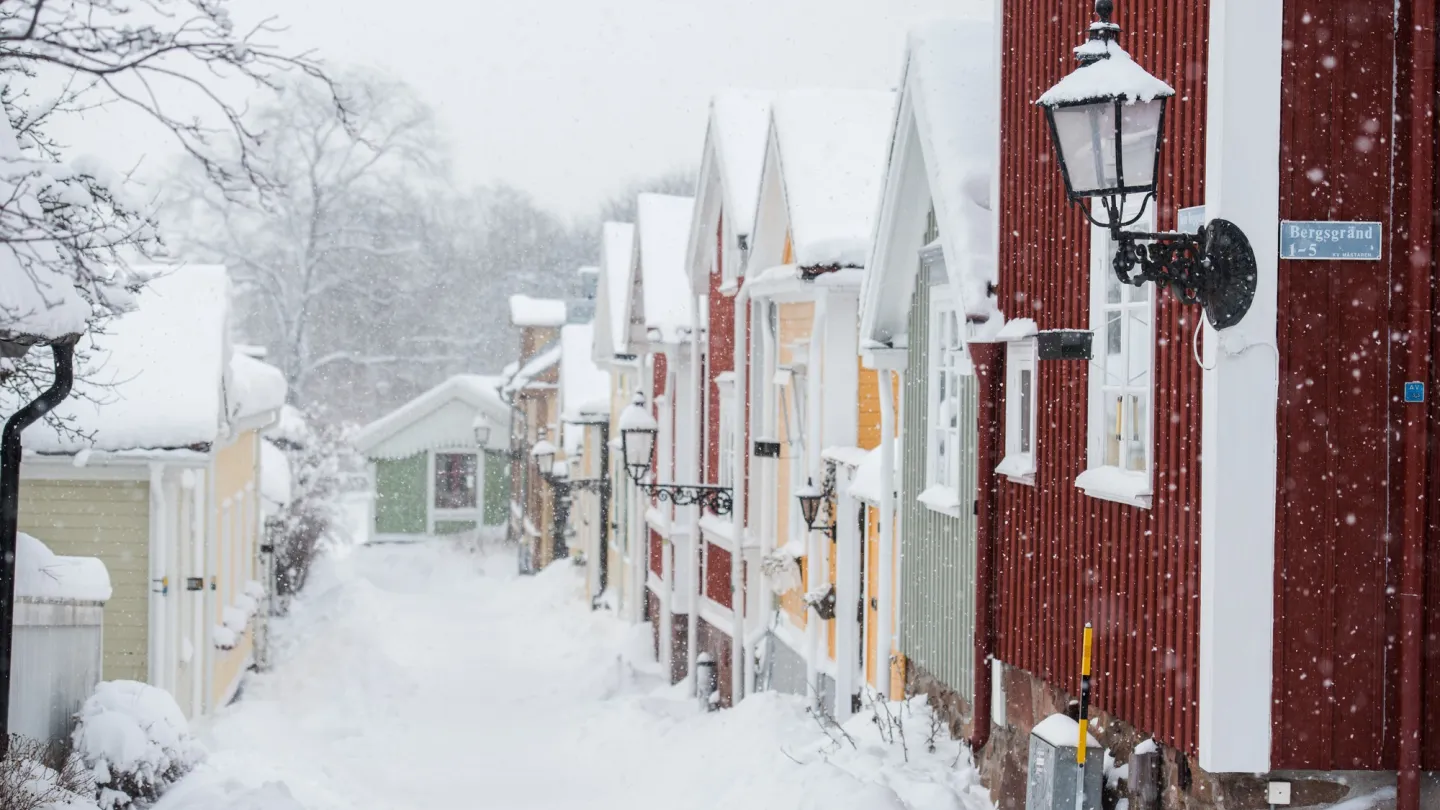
(1181, 785)
(716, 642)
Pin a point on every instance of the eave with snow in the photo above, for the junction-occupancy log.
(617, 259)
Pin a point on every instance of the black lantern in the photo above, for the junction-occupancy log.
(1107, 122)
(810, 498)
(544, 454)
(481, 426)
(638, 429)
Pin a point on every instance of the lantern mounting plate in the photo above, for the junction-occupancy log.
(1214, 268)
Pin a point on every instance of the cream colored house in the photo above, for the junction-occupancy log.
(154, 466)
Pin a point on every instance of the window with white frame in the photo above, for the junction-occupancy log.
(725, 458)
(1021, 393)
(1122, 317)
(947, 353)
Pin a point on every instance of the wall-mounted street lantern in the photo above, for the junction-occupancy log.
(810, 497)
(481, 426)
(638, 430)
(1107, 120)
(544, 454)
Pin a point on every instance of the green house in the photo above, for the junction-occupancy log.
(429, 473)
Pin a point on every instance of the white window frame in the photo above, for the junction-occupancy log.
(725, 460)
(942, 492)
(1019, 462)
(1102, 479)
(439, 515)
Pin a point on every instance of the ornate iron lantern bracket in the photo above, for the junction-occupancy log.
(1214, 268)
(717, 499)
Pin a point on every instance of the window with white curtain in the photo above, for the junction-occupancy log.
(1121, 406)
(947, 358)
(1022, 388)
(725, 458)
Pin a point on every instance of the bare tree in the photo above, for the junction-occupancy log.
(332, 218)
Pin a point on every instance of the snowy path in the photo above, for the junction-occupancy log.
(417, 677)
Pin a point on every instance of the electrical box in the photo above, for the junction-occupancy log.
(1054, 778)
(1064, 344)
(1278, 793)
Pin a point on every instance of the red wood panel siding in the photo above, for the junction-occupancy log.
(1333, 614)
(1431, 719)
(657, 548)
(1063, 558)
(720, 348)
(717, 574)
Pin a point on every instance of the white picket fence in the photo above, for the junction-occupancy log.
(55, 664)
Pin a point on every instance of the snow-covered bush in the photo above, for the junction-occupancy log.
(134, 741)
(322, 467)
(36, 776)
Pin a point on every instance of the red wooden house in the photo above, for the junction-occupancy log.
(726, 201)
(1248, 516)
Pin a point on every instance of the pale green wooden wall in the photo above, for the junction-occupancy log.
(109, 520)
(401, 491)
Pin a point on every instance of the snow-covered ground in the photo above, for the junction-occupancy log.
(420, 677)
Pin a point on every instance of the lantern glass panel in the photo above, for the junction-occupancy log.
(1085, 137)
(639, 446)
(810, 508)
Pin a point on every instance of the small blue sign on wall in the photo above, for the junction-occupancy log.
(1331, 241)
(1414, 392)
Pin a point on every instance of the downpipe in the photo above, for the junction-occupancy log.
(10, 455)
(988, 365)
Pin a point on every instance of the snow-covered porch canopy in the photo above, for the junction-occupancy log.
(163, 377)
(541, 312)
(942, 152)
(442, 418)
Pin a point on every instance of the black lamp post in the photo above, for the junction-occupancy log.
(1107, 121)
(638, 429)
(810, 498)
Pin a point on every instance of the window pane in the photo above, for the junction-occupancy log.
(1141, 293)
(1112, 281)
(1138, 348)
(1138, 443)
(1113, 430)
(455, 483)
(1025, 405)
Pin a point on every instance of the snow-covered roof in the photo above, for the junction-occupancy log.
(789, 280)
(41, 574)
(581, 381)
(740, 121)
(290, 426)
(536, 366)
(154, 377)
(275, 481)
(527, 311)
(831, 145)
(948, 126)
(616, 257)
(1114, 73)
(443, 417)
(664, 228)
(256, 388)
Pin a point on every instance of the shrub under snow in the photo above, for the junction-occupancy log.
(135, 741)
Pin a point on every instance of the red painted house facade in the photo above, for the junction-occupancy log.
(726, 200)
(1248, 517)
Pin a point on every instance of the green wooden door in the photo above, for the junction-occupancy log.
(400, 494)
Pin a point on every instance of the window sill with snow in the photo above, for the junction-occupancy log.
(1018, 467)
(1115, 484)
(942, 499)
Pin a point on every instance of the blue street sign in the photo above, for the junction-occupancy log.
(1190, 220)
(1414, 392)
(1352, 241)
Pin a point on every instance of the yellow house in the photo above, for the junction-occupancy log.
(824, 163)
(153, 465)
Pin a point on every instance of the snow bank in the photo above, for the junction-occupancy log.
(663, 223)
(135, 741)
(41, 574)
(832, 146)
(527, 311)
(153, 378)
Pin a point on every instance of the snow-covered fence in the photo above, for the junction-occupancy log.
(56, 658)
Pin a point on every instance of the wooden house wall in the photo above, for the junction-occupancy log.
(1063, 557)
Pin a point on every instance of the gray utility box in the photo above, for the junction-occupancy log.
(1053, 774)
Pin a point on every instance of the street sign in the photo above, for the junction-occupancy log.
(1414, 392)
(1190, 220)
(1344, 241)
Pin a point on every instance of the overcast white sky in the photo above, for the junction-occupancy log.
(570, 99)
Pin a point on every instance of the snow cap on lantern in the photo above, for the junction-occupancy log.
(637, 436)
(1106, 117)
